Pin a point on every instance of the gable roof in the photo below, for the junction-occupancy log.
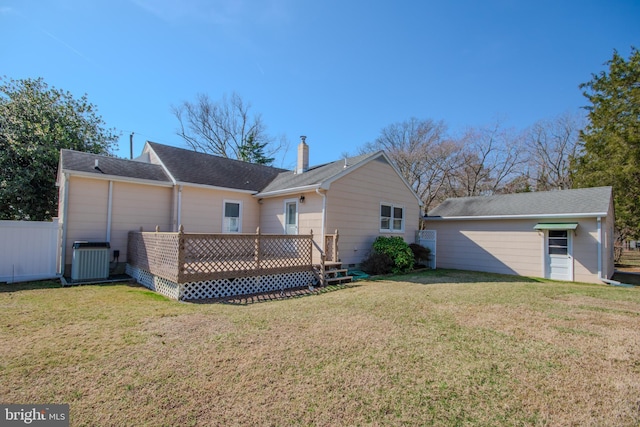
(321, 177)
(579, 202)
(187, 166)
(315, 176)
(82, 163)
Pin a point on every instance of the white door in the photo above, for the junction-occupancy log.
(291, 217)
(559, 259)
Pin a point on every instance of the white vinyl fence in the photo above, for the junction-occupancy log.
(428, 238)
(28, 250)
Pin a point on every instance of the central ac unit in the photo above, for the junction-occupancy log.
(90, 261)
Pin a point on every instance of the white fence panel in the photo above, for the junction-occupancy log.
(28, 250)
(427, 238)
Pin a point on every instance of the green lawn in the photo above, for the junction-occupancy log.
(630, 259)
(432, 348)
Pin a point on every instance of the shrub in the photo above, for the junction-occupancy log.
(377, 263)
(420, 253)
(398, 250)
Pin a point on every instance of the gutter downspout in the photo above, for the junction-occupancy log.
(179, 214)
(324, 213)
(65, 221)
(109, 211)
(616, 283)
(174, 208)
(599, 228)
(323, 255)
(604, 279)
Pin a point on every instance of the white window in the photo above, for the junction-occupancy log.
(391, 218)
(232, 215)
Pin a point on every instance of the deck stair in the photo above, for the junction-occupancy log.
(337, 276)
(333, 273)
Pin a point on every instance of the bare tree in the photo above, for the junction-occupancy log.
(552, 144)
(491, 158)
(421, 153)
(443, 160)
(224, 128)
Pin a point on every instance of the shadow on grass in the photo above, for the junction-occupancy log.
(456, 276)
(276, 295)
(29, 286)
(52, 284)
(628, 278)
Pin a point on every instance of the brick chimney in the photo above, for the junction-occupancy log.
(303, 156)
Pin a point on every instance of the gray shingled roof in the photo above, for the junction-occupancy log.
(85, 162)
(315, 175)
(579, 201)
(200, 168)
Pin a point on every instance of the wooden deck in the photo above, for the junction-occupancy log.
(203, 265)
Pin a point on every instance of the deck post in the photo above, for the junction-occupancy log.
(335, 246)
(323, 258)
(257, 248)
(181, 250)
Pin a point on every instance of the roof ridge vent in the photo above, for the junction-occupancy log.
(96, 166)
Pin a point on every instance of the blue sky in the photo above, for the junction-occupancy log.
(336, 71)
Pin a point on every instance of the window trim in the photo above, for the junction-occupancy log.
(392, 218)
(224, 217)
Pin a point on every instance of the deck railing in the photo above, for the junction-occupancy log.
(189, 257)
(331, 247)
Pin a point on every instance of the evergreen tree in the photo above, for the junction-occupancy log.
(253, 152)
(611, 141)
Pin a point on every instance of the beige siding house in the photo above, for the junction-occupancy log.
(362, 197)
(95, 206)
(103, 198)
(563, 235)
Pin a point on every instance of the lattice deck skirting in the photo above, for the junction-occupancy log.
(221, 288)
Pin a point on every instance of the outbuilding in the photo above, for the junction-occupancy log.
(561, 235)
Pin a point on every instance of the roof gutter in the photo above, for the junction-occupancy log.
(117, 178)
(526, 216)
(213, 187)
(289, 191)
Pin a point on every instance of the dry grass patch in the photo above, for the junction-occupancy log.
(438, 348)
